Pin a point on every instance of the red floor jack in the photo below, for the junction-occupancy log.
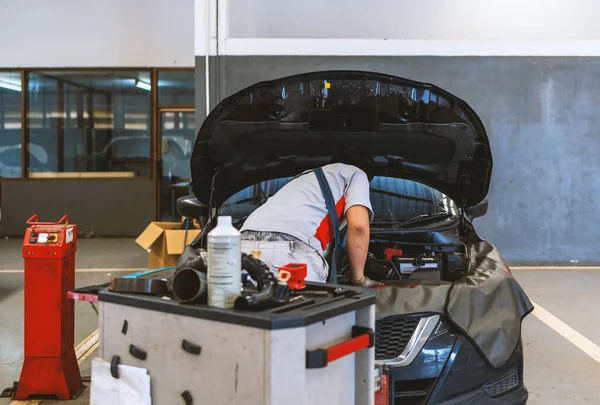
(50, 366)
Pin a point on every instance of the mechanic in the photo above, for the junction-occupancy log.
(294, 224)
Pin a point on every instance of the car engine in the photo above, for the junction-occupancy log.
(387, 262)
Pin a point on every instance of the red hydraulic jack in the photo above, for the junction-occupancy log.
(50, 366)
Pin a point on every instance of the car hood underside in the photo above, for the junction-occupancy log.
(280, 128)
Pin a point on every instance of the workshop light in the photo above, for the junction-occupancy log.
(10, 86)
(143, 85)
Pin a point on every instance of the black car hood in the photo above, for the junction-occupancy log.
(282, 127)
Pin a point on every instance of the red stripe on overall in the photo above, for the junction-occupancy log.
(325, 231)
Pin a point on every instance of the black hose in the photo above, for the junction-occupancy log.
(259, 271)
(395, 268)
(269, 294)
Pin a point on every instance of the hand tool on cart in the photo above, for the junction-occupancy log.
(309, 293)
(334, 290)
(151, 286)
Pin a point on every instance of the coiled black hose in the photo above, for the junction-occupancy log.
(269, 294)
(259, 271)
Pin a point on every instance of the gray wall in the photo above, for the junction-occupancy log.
(109, 207)
(542, 117)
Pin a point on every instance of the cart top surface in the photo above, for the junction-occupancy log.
(303, 312)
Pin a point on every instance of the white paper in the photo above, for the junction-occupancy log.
(131, 388)
(69, 235)
(42, 238)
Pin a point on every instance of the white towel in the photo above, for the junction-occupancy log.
(131, 388)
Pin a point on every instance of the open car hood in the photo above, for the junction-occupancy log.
(282, 127)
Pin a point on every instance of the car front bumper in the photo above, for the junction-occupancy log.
(448, 370)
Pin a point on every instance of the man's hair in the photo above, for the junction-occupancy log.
(356, 158)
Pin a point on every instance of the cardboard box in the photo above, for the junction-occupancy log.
(164, 242)
(193, 221)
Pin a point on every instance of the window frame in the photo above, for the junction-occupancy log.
(155, 109)
(154, 106)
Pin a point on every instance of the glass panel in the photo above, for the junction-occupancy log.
(177, 140)
(90, 121)
(10, 124)
(176, 87)
(393, 199)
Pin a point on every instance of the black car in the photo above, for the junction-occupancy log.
(448, 327)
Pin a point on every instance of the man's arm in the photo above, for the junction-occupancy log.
(358, 230)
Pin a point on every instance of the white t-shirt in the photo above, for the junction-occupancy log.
(299, 208)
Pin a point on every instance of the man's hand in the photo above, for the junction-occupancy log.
(359, 234)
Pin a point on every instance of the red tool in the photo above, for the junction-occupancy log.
(50, 366)
(389, 253)
(297, 274)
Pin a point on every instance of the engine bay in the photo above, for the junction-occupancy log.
(388, 261)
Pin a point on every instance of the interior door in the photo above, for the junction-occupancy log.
(177, 133)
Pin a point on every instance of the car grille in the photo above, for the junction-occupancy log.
(392, 334)
(412, 392)
(507, 382)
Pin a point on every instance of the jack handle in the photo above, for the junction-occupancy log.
(34, 221)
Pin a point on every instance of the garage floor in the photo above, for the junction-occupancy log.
(557, 370)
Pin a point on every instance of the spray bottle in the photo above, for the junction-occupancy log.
(224, 264)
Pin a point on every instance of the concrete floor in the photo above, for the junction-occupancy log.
(556, 371)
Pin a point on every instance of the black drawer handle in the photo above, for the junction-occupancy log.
(137, 353)
(190, 347)
(114, 366)
(187, 397)
(124, 328)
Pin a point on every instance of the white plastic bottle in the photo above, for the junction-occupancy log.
(224, 264)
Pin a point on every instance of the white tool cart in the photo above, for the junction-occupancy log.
(315, 350)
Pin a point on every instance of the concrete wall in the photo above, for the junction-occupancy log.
(541, 115)
(72, 33)
(109, 207)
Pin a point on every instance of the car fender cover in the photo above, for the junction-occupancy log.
(487, 305)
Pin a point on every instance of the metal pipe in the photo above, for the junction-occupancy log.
(206, 57)
(189, 286)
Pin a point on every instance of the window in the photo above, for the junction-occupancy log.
(176, 87)
(10, 124)
(393, 199)
(89, 121)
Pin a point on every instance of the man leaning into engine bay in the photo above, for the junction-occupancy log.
(294, 225)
